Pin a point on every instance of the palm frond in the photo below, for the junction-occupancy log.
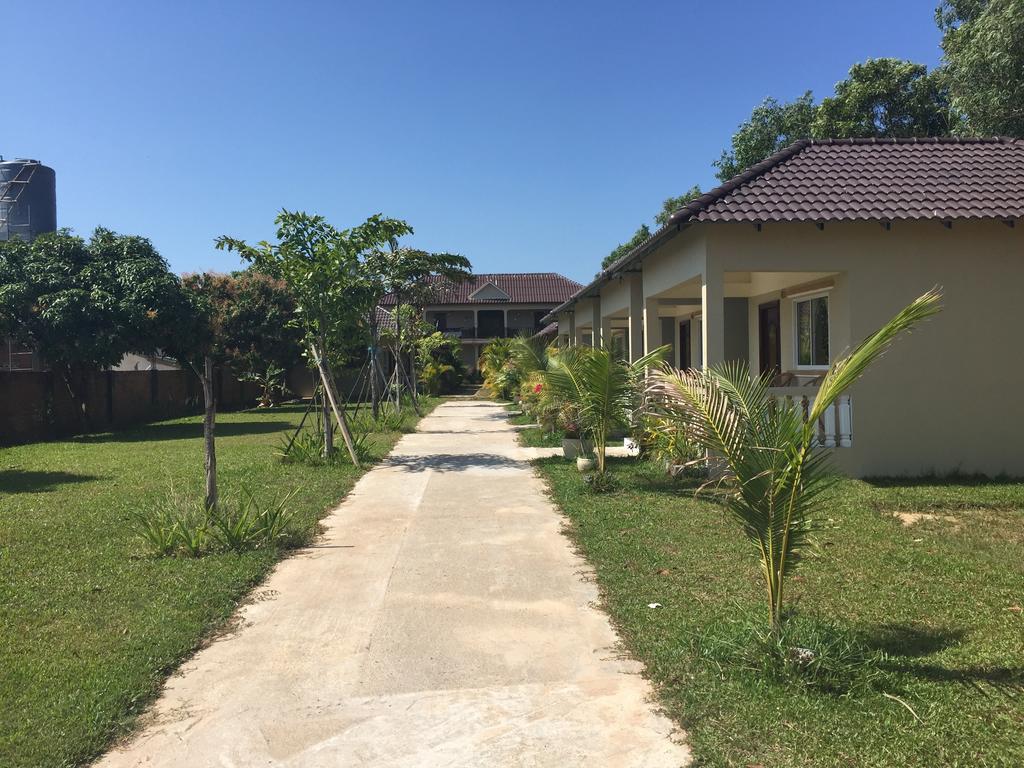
(845, 371)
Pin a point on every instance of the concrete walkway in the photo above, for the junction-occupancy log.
(443, 620)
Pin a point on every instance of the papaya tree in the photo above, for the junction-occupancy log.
(320, 265)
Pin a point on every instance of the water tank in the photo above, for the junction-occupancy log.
(28, 199)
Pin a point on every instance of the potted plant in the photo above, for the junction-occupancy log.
(573, 444)
(602, 390)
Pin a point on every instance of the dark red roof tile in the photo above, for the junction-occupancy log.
(520, 287)
(880, 179)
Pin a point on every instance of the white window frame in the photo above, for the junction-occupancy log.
(799, 299)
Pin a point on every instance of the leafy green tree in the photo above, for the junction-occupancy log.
(262, 336)
(772, 473)
(494, 366)
(643, 233)
(773, 125)
(673, 204)
(440, 361)
(983, 43)
(198, 338)
(405, 274)
(321, 268)
(886, 98)
(604, 389)
(83, 305)
(639, 237)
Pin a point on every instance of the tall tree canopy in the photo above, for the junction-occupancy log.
(260, 328)
(643, 233)
(886, 98)
(672, 204)
(772, 126)
(983, 43)
(83, 305)
(880, 98)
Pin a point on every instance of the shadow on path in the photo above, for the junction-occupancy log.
(453, 462)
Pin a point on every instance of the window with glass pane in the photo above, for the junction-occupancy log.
(812, 331)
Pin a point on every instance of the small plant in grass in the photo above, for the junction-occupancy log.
(184, 527)
(307, 448)
(245, 525)
(772, 474)
(807, 653)
(665, 442)
(157, 529)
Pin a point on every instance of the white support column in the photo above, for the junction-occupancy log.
(476, 323)
(712, 295)
(606, 332)
(572, 329)
(636, 317)
(652, 326)
(596, 322)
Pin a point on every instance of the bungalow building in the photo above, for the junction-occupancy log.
(797, 259)
(489, 306)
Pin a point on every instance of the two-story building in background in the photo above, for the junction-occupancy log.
(489, 306)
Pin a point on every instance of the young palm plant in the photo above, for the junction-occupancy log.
(604, 389)
(766, 447)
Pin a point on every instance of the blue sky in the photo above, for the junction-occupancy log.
(529, 136)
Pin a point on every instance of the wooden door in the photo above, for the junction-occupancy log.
(684, 345)
(770, 336)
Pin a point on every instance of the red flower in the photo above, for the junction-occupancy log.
(537, 389)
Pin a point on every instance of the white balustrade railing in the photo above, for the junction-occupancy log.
(835, 426)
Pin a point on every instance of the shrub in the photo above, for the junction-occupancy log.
(441, 368)
(183, 527)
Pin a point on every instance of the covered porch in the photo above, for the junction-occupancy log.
(787, 325)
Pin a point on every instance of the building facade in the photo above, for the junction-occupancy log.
(496, 305)
(797, 260)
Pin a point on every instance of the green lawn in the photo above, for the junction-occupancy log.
(937, 604)
(533, 436)
(90, 625)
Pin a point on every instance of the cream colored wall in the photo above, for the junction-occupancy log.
(945, 398)
(681, 258)
(615, 297)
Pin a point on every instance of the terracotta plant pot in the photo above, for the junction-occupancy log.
(584, 463)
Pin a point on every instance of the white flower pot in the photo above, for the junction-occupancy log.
(584, 463)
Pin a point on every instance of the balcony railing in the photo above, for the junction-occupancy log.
(473, 332)
(834, 428)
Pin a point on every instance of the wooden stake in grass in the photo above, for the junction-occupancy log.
(328, 382)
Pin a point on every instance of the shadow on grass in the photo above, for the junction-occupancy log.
(909, 640)
(29, 481)
(185, 432)
(903, 643)
(929, 481)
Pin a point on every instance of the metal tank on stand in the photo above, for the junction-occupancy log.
(28, 199)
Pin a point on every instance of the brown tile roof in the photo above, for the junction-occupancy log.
(520, 287)
(873, 180)
(859, 180)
